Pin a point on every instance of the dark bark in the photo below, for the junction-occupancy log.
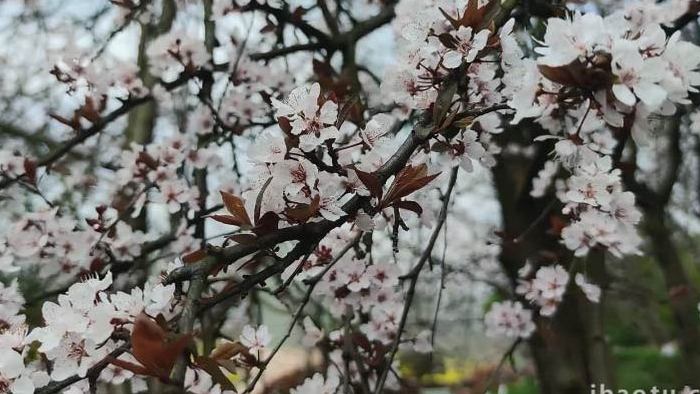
(569, 349)
(683, 297)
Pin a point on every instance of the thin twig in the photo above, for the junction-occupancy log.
(496, 372)
(307, 296)
(413, 275)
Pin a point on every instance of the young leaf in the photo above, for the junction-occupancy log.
(227, 350)
(245, 239)
(408, 181)
(268, 223)
(258, 201)
(303, 212)
(194, 257)
(285, 124)
(212, 368)
(409, 206)
(30, 170)
(443, 103)
(228, 219)
(371, 182)
(447, 40)
(152, 348)
(236, 207)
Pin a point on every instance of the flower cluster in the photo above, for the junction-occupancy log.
(157, 167)
(319, 174)
(175, 52)
(622, 72)
(79, 326)
(509, 319)
(546, 289)
(312, 121)
(50, 241)
(15, 376)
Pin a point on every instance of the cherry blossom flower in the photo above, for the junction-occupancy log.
(297, 178)
(354, 277)
(174, 194)
(11, 163)
(117, 375)
(318, 385)
(551, 281)
(75, 355)
(175, 52)
(421, 343)
(255, 339)
(312, 334)
(383, 274)
(268, 148)
(376, 129)
(467, 46)
(637, 76)
(509, 319)
(199, 382)
(591, 290)
(330, 189)
(544, 179)
(313, 124)
(683, 61)
(595, 79)
(567, 40)
(12, 373)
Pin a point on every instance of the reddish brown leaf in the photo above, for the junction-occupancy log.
(152, 348)
(129, 366)
(557, 74)
(677, 293)
(268, 223)
(148, 160)
(323, 69)
(236, 207)
(409, 206)
(409, 180)
(285, 125)
(454, 22)
(227, 219)
(269, 27)
(194, 257)
(557, 224)
(361, 341)
(212, 368)
(258, 200)
(447, 40)
(227, 350)
(479, 18)
(440, 147)
(89, 111)
(30, 170)
(371, 182)
(348, 110)
(72, 123)
(298, 14)
(303, 212)
(577, 74)
(243, 238)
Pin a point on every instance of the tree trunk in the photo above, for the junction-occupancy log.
(683, 297)
(569, 349)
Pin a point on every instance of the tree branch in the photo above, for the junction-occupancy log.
(413, 276)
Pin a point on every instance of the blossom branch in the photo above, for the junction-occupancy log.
(97, 127)
(413, 277)
(297, 315)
